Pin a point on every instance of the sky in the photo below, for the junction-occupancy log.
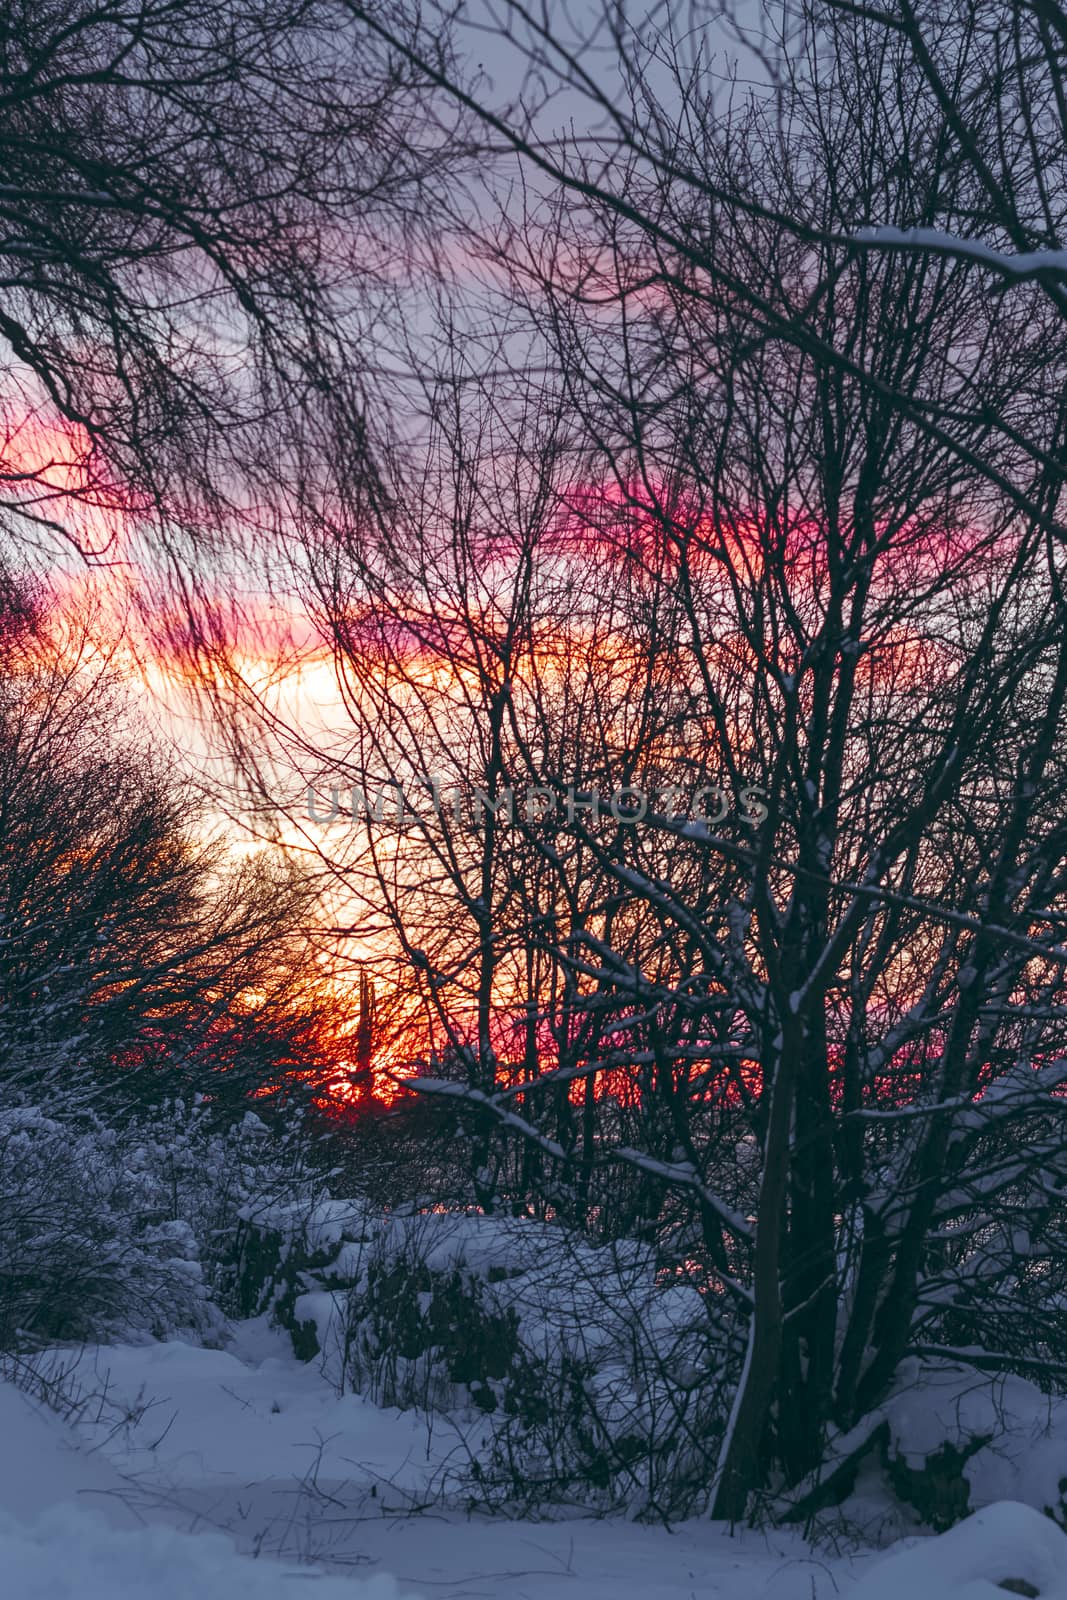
(274, 645)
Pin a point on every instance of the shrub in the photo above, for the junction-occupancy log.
(129, 1232)
(89, 1245)
(585, 1370)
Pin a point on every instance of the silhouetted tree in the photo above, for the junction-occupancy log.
(137, 957)
(768, 505)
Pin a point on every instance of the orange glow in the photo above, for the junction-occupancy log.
(286, 661)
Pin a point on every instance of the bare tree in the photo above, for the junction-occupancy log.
(677, 135)
(787, 517)
(137, 958)
(206, 212)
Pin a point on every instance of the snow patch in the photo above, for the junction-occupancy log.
(68, 1553)
(972, 1561)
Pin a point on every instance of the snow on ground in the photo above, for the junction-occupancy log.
(217, 1474)
(73, 1554)
(69, 1530)
(254, 1443)
(1005, 1543)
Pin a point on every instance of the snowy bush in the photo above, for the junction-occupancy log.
(971, 1438)
(289, 1248)
(218, 1177)
(124, 1233)
(594, 1381)
(948, 1440)
(90, 1246)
